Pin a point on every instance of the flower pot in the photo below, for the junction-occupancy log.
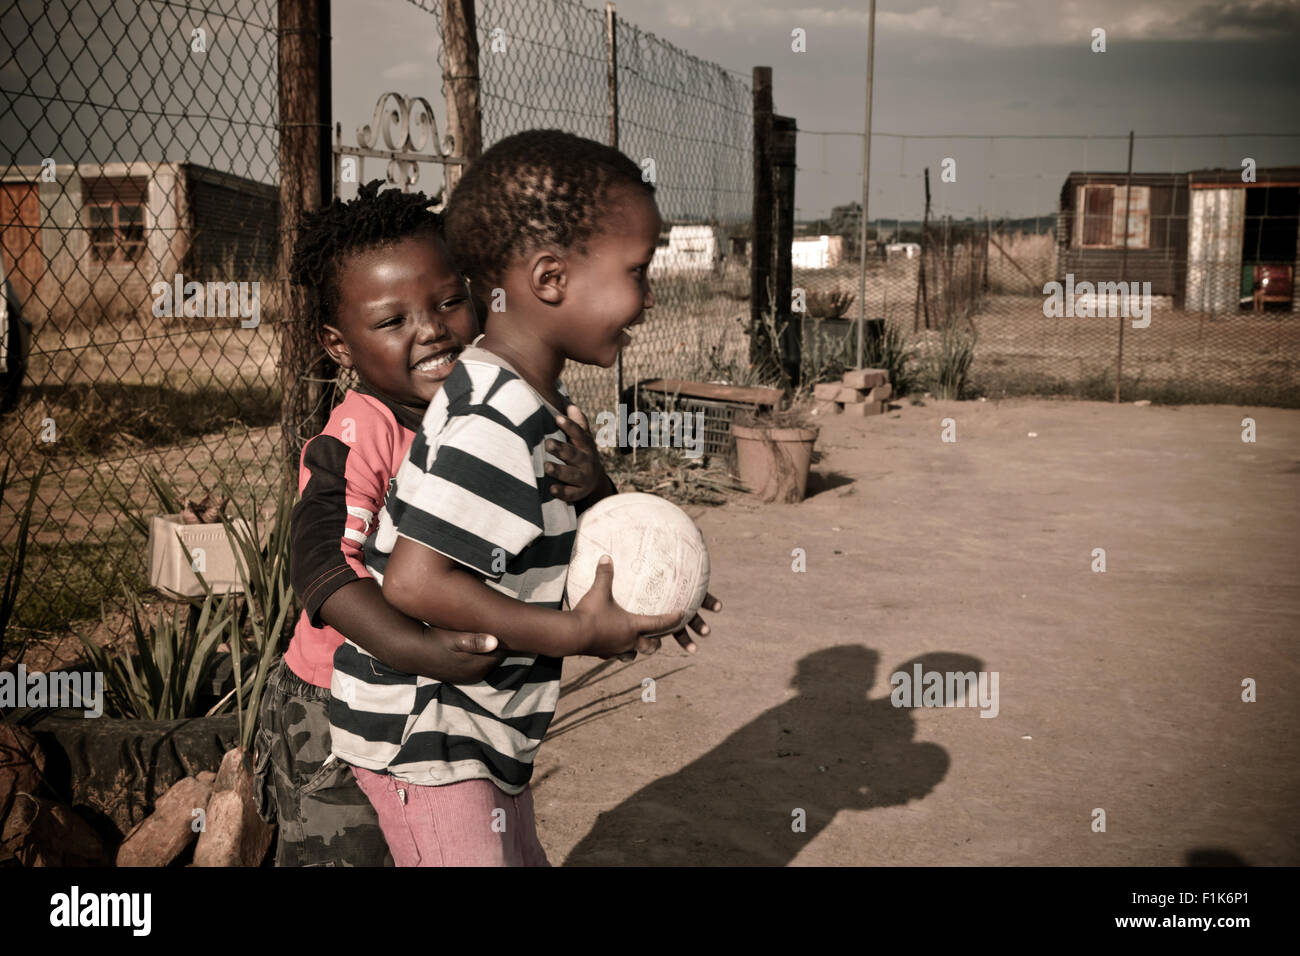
(172, 573)
(774, 462)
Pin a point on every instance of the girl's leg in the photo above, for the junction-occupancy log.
(324, 819)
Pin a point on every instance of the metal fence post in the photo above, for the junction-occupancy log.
(1123, 266)
(611, 70)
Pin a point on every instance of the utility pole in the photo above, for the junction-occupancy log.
(866, 181)
(1123, 267)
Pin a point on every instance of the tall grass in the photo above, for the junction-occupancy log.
(895, 352)
(950, 359)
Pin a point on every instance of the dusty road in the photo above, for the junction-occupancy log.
(1120, 691)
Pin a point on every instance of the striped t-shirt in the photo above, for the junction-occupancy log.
(473, 488)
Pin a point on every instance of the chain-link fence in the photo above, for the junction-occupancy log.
(138, 230)
(688, 122)
(1198, 267)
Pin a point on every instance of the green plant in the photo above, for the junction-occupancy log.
(825, 356)
(14, 576)
(172, 664)
(829, 305)
(950, 362)
(894, 352)
(269, 597)
(170, 656)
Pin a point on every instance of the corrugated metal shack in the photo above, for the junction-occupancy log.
(1090, 230)
(1205, 238)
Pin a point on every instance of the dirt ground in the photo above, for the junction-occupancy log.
(1119, 691)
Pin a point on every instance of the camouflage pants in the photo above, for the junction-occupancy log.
(325, 819)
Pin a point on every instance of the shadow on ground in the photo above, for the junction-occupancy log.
(829, 748)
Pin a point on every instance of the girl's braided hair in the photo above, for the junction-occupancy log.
(536, 188)
(373, 220)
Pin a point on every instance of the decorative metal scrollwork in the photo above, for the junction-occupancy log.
(400, 134)
(407, 127)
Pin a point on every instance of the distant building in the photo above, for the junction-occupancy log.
(817, 252)
(689, 249)
(906, 250)
(133, 224)
(1210, 241)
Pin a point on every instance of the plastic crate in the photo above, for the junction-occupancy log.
(672, 396)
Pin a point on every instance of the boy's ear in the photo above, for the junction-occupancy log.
(331, 341)
(548, 278)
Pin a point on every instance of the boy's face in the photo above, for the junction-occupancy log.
(403, 318)
(608, 288)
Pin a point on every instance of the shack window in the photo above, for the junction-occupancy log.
(1102, 220)
(1098, 214)
(114, 211)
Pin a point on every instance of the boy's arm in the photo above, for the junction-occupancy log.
(342, 494)
(422, 582)
(467, 505)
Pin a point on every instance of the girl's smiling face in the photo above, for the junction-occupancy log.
(404, 316)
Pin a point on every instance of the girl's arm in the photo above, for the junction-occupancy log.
(359, 612)
(342, 491)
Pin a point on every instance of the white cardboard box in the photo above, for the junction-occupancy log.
(171, 572)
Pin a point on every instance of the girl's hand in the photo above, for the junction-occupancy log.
(582, 474)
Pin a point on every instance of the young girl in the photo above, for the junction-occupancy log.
(557, 231)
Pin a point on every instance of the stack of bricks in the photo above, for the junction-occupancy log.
(864, 391)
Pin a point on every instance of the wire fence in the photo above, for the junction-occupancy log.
(1197, 266)
(687, 122)
(138, 218)
(139, 224)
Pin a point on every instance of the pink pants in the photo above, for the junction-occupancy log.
(471, 823)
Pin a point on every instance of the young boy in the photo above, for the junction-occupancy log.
(472, 536)
(393, 308)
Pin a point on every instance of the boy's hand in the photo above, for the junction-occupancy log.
(648, 645)
(607, 629)
(582, 473)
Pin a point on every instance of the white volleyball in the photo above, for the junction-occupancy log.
(660, 561)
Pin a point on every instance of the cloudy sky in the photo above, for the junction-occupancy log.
(124, 84)
(974, 68)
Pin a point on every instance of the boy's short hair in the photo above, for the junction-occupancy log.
(373, 220)
(535, 188)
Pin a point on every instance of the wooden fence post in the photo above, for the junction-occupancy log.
(306, 373)
(461, 81)
(789, 326)
(760, 253)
